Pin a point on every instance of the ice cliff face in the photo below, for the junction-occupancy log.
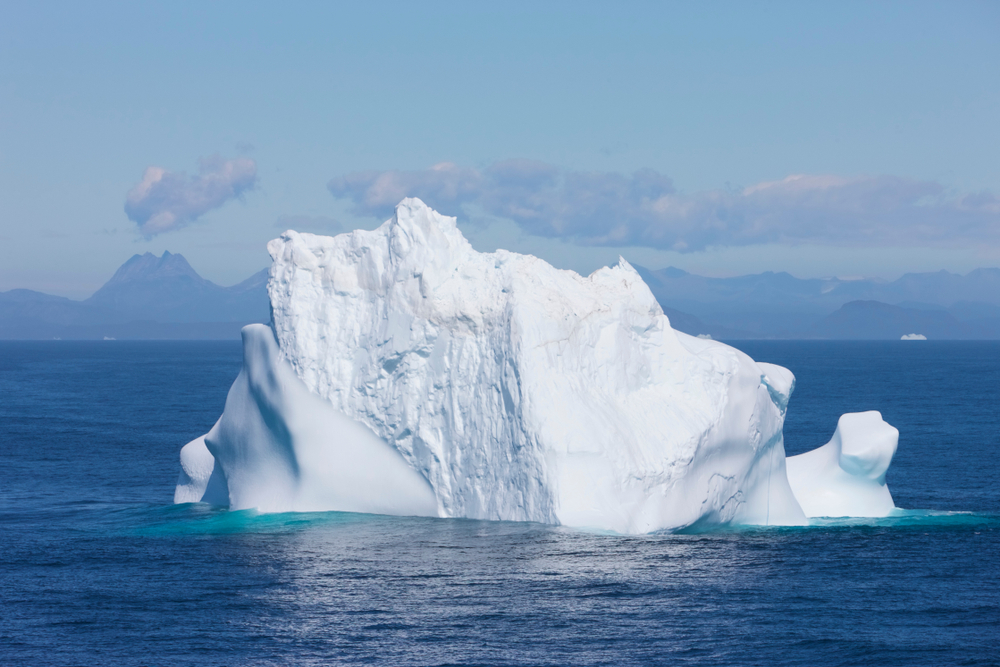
(409, 374)
(527, 393)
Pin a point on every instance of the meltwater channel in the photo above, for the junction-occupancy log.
(98, 568)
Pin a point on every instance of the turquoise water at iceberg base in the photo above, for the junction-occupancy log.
(98, 568)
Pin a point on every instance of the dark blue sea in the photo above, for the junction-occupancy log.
(97, 567)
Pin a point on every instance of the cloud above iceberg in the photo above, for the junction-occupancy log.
(645, 209)
(167, 200)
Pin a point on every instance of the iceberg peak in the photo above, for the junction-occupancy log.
(418, 228)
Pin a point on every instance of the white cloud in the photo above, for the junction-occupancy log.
(376, 191)
(644, 209)
(163, 200)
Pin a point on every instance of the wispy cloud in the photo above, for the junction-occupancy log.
(375, 192)
(165, 200)
(644, 208)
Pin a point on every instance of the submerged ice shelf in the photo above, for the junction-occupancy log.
(406, 373)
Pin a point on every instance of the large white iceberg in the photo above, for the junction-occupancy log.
(406, 373)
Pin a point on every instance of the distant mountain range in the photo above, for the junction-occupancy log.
(874, 320)
(778, 305)
(164, 297)
(148, 297)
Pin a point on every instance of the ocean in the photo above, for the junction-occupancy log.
(97, 567)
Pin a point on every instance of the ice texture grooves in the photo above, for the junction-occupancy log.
(523, 392)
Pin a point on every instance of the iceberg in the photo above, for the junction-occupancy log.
(405, 373)
(846, 476)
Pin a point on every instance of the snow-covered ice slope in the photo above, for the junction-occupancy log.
(846, 476)
(516, 390)
(279, 447)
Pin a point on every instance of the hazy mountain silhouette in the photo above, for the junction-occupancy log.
(148, 297)
(690, 324)
(778, 305)
(167, 289)
(874, 320)
(164, 297)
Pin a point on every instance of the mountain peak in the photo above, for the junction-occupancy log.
(167, 289)
(150, 267)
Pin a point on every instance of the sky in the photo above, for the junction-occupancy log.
(824, 139)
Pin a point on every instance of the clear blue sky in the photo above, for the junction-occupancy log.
(890, 110)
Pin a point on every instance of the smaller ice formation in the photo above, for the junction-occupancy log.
(279, 447)
(199, 482)
(846, 476)
(913, 337)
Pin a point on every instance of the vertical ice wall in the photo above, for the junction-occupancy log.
(523, 392)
